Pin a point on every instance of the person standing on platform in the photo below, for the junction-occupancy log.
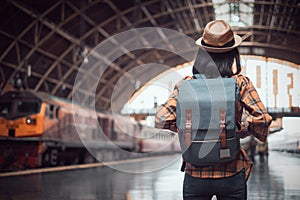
(225, 180)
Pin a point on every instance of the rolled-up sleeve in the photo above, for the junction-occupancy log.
(258, 118)
(166, 113)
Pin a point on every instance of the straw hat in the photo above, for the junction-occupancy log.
(218, 37)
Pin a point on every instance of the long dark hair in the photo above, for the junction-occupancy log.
(216, 64)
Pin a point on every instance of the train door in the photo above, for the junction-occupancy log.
(114, 135)
(105, 126)
(58, 122)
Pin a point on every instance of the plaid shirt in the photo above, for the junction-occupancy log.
(255, 121)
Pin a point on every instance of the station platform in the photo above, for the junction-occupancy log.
(275, 177)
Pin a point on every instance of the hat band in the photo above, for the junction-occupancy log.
(228, 44)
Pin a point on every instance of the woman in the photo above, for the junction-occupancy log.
(226, 180)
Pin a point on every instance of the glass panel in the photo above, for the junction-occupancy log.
(5, 108)
(28, 107)
(238, 14)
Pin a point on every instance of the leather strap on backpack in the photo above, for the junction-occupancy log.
(223, 128)
(188, 127)
(224, 152)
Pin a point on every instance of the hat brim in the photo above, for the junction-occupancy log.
(237, 41)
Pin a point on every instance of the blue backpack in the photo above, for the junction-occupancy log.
(206, 122)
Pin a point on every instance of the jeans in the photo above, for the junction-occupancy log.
(233, 187)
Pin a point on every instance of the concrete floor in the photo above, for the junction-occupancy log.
(273, 178)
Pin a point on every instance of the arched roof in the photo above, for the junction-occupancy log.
(52, 37)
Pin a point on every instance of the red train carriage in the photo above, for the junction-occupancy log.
(157, 140)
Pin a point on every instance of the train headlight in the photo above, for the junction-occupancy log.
(30, 121)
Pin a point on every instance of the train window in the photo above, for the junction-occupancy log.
(51, 111)
(47, 110)
(28, 107)
(94, 134)
(104, 124)
(114, 134)
(57, 112)
(5, 108)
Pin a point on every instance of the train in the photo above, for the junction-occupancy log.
(253, 147)
(285, 141)
(282, 140)
(40, 130)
